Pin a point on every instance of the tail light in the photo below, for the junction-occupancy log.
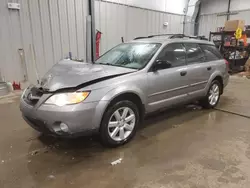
(227, 63)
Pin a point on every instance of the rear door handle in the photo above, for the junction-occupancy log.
(209, 68)
(183, 73)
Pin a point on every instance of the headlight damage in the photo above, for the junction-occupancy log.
(62, 99)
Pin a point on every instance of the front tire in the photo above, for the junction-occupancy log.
(119, 124)
(213, 96)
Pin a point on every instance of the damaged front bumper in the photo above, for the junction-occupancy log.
(69, 120)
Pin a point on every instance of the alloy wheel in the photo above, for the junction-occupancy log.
(214, 94)
(121, 124)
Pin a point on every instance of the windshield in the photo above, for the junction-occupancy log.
(129, 55)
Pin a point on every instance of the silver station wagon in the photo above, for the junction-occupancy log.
(112, 95)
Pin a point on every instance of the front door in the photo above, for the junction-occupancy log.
(168, 85)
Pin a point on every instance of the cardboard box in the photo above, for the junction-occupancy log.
(233, 25)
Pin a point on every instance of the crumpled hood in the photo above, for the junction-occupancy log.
(70, 74)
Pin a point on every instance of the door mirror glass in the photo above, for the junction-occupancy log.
(161, 64)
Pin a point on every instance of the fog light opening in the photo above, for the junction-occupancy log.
(64, 127)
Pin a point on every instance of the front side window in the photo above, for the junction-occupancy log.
(194, 54)
(174, 55)
(129, 55)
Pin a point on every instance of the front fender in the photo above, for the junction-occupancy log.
(125, 89)
(105, 101)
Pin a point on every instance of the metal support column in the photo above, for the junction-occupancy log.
(228, 9)
(197, 17)
(93, 30)
(185, 17)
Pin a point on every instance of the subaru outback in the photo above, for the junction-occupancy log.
(112, 95)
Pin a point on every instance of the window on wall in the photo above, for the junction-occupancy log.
(174, 54)
(211, 52)
(194, 54)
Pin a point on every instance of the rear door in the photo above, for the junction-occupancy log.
(201, 60)
(197, 68)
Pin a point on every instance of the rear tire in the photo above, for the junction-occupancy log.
(119, 124)
(213, 96)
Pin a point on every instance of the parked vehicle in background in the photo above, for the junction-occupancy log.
(112, 95)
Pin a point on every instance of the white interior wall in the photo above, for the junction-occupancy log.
(209, 23)
(213, 6)
(176, 7)
(240, 5)
(218, 6)
(244, 15)
(117, 20)
(210, 20)
(46, 31)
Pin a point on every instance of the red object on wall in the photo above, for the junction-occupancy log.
(98, 40)
(16, 86)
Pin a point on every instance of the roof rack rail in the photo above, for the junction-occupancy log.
(137, 38)
(151, 36)
(177, 36)
(174, 36)
(198, 37)
(160, 35)
(191, 37)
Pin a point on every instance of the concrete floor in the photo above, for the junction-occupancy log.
(187, 147)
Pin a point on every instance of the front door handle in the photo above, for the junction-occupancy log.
(183, 73)
(209, 68)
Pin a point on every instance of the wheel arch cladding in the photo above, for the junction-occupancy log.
(215, 76)
(130, 96)
(219, 79)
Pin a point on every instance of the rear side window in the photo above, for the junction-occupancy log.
(211, 52)
(194, 54)
(173, 54)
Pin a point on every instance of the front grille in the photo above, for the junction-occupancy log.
(30, 102)
(33, 96)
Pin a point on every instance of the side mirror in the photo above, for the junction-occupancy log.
(161, 64)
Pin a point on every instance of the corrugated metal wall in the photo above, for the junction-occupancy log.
(189, 26)
(213, 6)
(160, 5)
(117, 20)
(245, 15)
(210, 20)
(45, 30)
(209, 23)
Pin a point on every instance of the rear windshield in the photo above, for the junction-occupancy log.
(129, 55)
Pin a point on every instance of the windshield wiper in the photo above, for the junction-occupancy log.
(104, 64)
(114, 65)
(109, 64)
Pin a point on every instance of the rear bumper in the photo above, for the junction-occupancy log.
(226, 80)
(81, 119)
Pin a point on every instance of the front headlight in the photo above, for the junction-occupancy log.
(62, 99)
